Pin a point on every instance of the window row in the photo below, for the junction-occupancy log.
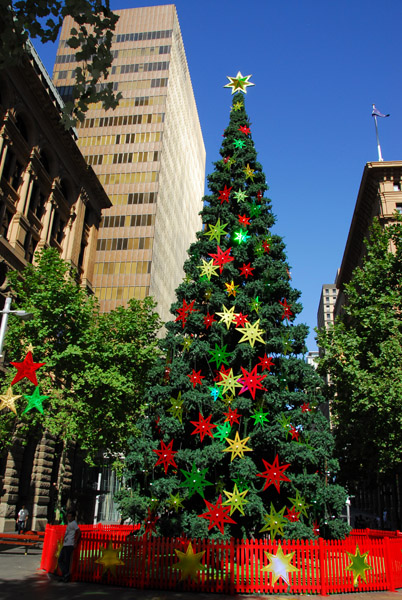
(126, 138)
(120, 293)
(66, 91)
(134, 198)
(115, 178)
(140, 68)
(123, 120)
(140, 267)
(125, 244)
(129, 102)
(128, 221)
(144, 35)
(62, 59)
(122, 158)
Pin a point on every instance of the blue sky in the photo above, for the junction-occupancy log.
(317, 67)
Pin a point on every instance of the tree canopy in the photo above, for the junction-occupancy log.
(363, 356)
(91, 38)
(96, 364)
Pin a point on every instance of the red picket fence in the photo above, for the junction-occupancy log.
(234, 566)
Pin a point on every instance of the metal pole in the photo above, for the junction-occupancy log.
(380, 159)
(3, 326)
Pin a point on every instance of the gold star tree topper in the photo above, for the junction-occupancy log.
(239, 83)
(280, 565)
(189, 563)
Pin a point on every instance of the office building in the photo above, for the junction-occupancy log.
(325, 313)
(149, 155)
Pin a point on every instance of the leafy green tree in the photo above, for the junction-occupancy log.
(234, 396)
(95, 363)
(363, 356)
(91, 37)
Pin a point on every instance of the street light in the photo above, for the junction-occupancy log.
(26, 316)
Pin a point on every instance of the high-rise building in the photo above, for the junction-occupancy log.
(148, 154)
(325, 313)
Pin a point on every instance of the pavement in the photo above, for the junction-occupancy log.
(22, 579)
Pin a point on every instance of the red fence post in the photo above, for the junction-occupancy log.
(323, 567)
(389, 571)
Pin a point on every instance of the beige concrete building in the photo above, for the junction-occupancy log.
(325, 313)
(149, 155)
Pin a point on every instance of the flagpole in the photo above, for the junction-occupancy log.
(380, 158)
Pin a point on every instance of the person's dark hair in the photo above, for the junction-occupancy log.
(71, 512)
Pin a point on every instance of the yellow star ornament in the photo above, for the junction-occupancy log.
(7, 400)
(109, 559)
(251, 333)
(237, 446)
(280, 565)
(229, 382)
(358, 566)
(189, 563)
(239, 83)
(226, 316)
(208, 269)
(235, 500)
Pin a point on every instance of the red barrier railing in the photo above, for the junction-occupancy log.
(236, 566)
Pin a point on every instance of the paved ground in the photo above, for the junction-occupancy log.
(21, 579)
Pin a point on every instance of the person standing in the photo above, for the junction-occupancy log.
(22, 520)
(72, 537)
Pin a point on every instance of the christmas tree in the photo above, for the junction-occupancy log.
(234, 442)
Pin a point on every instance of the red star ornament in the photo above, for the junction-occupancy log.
(244, 129)
(226, 159)
(306, 407)
(251, 381)
(292, 515)
(203, 426)
(166, 455)
(294, 432)
(274, 474)
(232, 416)
(224, 194)
(240, 319)
(287, 313)
(259, 195)
(222, 257)
(316, 528)
(266, 246)
(243, 220)
(246, 270)
(150, 522)
(196, 377)
(217, 515)
(184, 311)
(27, 369)
(222, 371)
(208, 320)
(266, 362)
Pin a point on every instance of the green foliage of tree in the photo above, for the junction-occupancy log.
(293, 394)
(363, 356)
(96, 363)
(91, 38)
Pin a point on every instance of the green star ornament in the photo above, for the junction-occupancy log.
(239, 144)
(260, 417)
(229, 163)
(287, 346)
(300, 504)
(195, 481)
(187, 341)
(274, 522)
(236, 500)
(239, 83)
(358, 566)
(216, 231)
(240, 196)
(35, 401)
(255, 211)
(240, 236)
(251, 333)
(255, 304)
(219, 356)
(222, 431)
(175, 502)
(177, 407)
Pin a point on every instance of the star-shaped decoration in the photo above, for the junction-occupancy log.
(294, 432)
(8, 399)
(237, 105)
(244, 221)
(185, 310)
(239, 143)
(27, 368)
(187, 341)
(305, 408)
(241, 483)
(316, 528)
(226, 316)
(249, 172)
(195, 481)
(225, 160)
(255, 211)
(216, 231)
(266, 246)
(109, 559)
(255, 304)
(287, 345)
(151, 520)
(222, 431)
(208, 320)
(237, 447)
(274, 474)
(300, 504)
(236, 500)
(35, 401)
(274, 522)
(292, 515)
(232, 416)
(231, 288)
(287, 313)
(165, 455)
(358, 566)
(240, 196)
(219, 356)
(215, 393)
(260, 417)
(229, 382)
(246, 270)
(175, 502)
(280, 565)
(224, 194)
(251, 381)
(196, 377)
(244, 129)
(259, 195)
(241, 237)
(266, 362)
(217, 515)
(177, 407)
(284, 421)
(228, 399)
(208, 269)
(208, 294)
(229, 163)
(251, 333)
(240, 320)
(203, 426)
(222, 257)
(239, 83)
(189, 563)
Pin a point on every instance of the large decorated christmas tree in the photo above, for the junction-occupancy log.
(235, 442)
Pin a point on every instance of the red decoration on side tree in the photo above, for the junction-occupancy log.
(292, 515)
(240, 319)
(203, 426)
(243, 220)
(224, 194)
(251, 381)
(232, 416)
(266, 246)
(244, 129)
(222, 371)
(217, 515)
(259, 195)
(185, 310)
(196, 377)
(150, 522)
(274, 473)
(266, 362)
(316, 528)
(221, 258)
(208, 320)
(166, 455)
(246, 270)
(226, 159)
(306, 407)
(166, 374)
(27, 369)
(287, 313)
(294, 432)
